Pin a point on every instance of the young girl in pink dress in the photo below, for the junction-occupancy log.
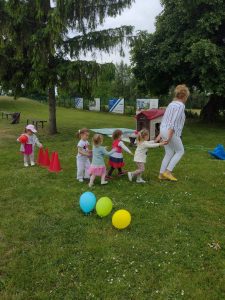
(27, 148)
(116, 159)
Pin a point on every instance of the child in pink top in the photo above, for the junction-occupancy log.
(28, 147)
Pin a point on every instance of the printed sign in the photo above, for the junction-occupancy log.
(95, 104)
(79, 103)
(116, 106)
(146, 104)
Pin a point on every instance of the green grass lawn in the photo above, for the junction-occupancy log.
(50, 250)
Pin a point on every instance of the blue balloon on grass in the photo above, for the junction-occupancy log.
(87, 202)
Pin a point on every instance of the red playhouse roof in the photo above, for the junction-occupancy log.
(152, 113)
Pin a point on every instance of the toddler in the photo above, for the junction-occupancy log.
(83, 155)
(140, 156)
(27, 148)
(98, 167)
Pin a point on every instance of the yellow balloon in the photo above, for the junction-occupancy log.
(121, 219)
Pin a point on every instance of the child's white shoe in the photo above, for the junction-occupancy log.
(90, 185)
(26, 164)
(140, 180)
(130, 176)
(32, 163)
(104, 182)
(81, 180)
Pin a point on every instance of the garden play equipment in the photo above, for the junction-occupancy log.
(150, 120)
(87, 202)
(218, 152)
(121, 219)
(23, 139)
(54, 165)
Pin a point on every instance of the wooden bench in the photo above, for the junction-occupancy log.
(14, 115)
(7, 114)
(36, 122)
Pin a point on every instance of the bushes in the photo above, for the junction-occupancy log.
(192, 114)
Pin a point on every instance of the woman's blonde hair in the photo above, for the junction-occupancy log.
(181, 91)
(97, 139)
(142, 134)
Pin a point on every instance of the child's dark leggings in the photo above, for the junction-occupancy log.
(112, 169)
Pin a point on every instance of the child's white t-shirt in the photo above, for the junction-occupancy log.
(142, 149)
(84, 146)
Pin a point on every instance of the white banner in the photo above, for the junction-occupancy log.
(79, 103)
(146, 104)
(95, 105)
(116, 106)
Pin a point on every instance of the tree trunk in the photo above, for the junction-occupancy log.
(52, 110)
(211, 111)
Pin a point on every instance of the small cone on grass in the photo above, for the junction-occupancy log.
(51, 161)
(55, 165)
(46, 162)
(40, 159)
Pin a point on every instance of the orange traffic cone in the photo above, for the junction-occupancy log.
(40, 159)
(55, 167)
(46, 161)
(51, 161)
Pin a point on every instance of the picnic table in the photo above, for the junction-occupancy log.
(14, 115)
(36, 122)
(7, 114)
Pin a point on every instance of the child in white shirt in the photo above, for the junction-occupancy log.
(140, 156)
(83, 155)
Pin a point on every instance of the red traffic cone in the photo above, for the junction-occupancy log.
(46, 161)
(51, 161)
(56, 164)
(40, 160)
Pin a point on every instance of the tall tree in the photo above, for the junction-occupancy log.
(123, 80)
(104, 84)
(78, 78)
(36, 37)
(187, 46)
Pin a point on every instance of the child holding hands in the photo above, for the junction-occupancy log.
(83, 161)
(140, 156)
(116, 159)
(98, 167)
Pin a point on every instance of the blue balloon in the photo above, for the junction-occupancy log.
(87, 202)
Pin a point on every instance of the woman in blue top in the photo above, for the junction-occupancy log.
(98, 167)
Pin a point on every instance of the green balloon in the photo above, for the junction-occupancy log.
(104, 207)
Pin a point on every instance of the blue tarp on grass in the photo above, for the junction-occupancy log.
(218, 152)
(109, 131)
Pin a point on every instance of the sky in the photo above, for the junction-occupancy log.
(141, 15)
